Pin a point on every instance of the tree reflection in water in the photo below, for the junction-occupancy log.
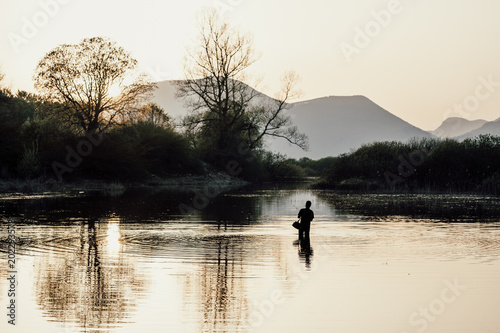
(217, 287)
(89, 283)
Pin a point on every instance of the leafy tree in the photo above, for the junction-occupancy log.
(153, 114)
(15, 110)
(96, 81)
(29, 164)
(138, 150)
(225, 111)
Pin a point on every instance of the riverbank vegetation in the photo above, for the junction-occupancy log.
(471, 165)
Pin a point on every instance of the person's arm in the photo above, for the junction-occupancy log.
(300, 214)
(312, 215)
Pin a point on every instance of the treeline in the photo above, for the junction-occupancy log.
(293, 169)
(33, 143)
(472, 165)
(36, 143)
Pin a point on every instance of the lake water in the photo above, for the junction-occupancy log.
(134, 263)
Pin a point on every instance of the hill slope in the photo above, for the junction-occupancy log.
(164, 96)
(335, 125)
(491, 127)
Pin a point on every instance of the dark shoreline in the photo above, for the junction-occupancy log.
(221, 180)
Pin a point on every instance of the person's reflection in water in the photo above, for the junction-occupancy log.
(306, 251)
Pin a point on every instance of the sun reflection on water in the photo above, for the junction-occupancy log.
(113, 244)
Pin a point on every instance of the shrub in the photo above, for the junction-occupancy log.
(138, 150)
(446, 165)
(29, 165)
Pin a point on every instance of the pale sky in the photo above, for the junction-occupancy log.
(421, 60)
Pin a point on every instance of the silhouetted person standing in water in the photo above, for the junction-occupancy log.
(306, 215)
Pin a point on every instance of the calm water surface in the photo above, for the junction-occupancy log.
(134, 263)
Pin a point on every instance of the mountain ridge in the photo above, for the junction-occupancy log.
(338, 124)
(334, 124)
(455, 126)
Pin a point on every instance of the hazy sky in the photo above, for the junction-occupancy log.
(420, 60)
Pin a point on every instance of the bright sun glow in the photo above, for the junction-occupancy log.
(113, 237)
(114, 90)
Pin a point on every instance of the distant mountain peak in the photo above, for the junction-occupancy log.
(337, 124)
(456, 126)
(489, 127)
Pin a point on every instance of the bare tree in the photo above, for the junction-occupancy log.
(96, 81)
(222, 106)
